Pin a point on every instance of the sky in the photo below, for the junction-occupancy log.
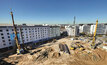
(53, 11)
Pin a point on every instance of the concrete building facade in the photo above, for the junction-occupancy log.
(54, 31)
(72, 30)
(101, 29)
(84, 29)
(29, 34)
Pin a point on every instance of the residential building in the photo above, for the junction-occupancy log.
(72, 30)
(29, 34)
(101, 29)
(84, 29)
(54, 31)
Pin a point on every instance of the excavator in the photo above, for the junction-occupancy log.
(93, 45)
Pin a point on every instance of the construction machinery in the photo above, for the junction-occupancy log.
(72, 47)
(77, 45)
(19, 49)
(80, 47)
(93, 45)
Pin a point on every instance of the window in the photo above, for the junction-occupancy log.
(12, 30)
(4, 44)
(10, 43)
(1, 33)
(3, 40)
(25, 29)
(7, 30)
(2, 37)
(0, 30)
(9, 40)
(27, 39)
(7, 33)
(8, 36)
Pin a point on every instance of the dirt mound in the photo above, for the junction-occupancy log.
(97, 57)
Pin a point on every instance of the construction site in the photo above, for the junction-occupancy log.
(64, 51)
(67, 50)
(84, 44)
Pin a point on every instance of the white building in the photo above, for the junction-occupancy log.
(72, 30)
(29, 34)
(84, 28)
(54, 31)
(101, 29)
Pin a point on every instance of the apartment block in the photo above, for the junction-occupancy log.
(29, 34)
(101, 29)
(72, 30)
(54, 31)
(84, 28)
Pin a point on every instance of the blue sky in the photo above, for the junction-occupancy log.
(53, 11)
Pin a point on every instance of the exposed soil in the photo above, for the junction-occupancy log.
(50, 54)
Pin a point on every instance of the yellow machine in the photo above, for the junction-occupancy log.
(72, 48)
(77, 45)
(94, 37)
(16, 37)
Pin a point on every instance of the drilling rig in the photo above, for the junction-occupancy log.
(93, 45)
(19, 49)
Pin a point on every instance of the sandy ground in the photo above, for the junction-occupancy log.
(55, 57)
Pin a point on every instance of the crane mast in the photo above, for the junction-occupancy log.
(94, 36)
